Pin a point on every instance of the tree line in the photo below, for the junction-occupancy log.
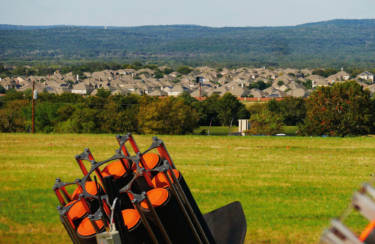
(106, 113)
(343, 109)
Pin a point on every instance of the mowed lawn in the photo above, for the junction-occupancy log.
(290, 187)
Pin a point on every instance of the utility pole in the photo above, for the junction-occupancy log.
(33, 110)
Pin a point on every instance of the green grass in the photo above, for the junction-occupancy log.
(224, 131)
(290, 187)
(215, 130)
(290, 130)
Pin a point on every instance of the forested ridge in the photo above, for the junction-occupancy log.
(333, 43)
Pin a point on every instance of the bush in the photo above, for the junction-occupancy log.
(265, 123)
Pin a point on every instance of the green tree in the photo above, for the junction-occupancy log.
(230, 109)
(117, 117)
(208, 110)
(261, 85)
(158, 74)
(280, 83)
(13, 95)
(12, 117)
(2, 89)
(187, 98)
(84, 120)
(343, 109)
(69, 98)
(46, 116)
(166, 116)
(307, 84)
(265, 123)
(65, 112)
(104, 93)
(291, 109)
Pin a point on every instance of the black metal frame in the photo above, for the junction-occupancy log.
(130, 191)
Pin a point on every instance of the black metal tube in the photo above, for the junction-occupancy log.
(158, 221)
(146, 223)
(188, 205)
(187, 217)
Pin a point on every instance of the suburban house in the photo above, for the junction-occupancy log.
(177, 90)
(366, 76)
(339, 76)
(158, 93)
(284, 82)
(298, 92)
(82, 89)
(239, 91)
(272, 92)
(197, 93)
(317, 80)
(256, 93)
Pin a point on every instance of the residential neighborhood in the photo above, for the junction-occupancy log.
(203, 81)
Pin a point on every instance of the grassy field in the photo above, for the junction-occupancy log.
(224, 130)
(215, 130)
(289, 186)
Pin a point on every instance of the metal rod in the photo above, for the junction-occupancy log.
(162, 149)
(69, 220)
(71, 229)
(82, 166)
(97, 170)
(133, 143)
(60, 197)
(85, 204)
(66, 194)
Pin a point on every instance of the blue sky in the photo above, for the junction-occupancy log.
(166, 12)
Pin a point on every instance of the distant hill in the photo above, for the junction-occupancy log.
(333, 43)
